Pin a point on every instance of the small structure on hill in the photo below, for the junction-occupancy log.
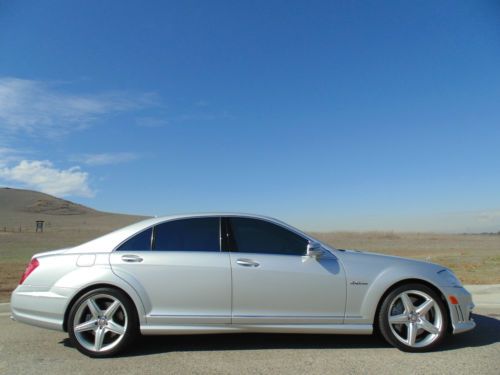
(39, 225)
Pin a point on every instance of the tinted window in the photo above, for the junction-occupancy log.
(141, 241)
(201, 234)
(258, 236)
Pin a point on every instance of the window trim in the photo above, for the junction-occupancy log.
(231, 241)
(153, 238)
(224, 235)
(186, 251)
(152, 227)
(222, 219)
(153, 234)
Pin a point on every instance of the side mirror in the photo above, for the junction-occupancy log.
(314, 249)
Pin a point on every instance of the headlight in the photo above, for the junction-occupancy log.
(449, 278)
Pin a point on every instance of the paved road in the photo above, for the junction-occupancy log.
(30, 350)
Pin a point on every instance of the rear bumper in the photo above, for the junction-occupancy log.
(43, 309)
(461, 313)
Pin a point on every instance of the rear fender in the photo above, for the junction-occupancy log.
(98, 275)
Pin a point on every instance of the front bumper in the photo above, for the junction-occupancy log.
(461, 312)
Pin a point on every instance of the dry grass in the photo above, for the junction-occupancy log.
(10, 274)
(16, 248)
(474, 258)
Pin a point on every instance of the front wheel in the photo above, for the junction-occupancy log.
(102, 322)
(413, 318)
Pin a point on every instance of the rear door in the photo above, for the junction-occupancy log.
(179, 271)
(275, 283)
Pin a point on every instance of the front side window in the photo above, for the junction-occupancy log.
(259, 236)
(141, 241)
(197, 234)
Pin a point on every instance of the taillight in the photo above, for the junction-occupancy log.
(30, 268)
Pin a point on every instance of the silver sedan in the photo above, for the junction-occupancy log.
(224, 273)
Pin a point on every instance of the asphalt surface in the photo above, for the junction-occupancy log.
(30, 350)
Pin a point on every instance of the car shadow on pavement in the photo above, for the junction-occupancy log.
(487, 332)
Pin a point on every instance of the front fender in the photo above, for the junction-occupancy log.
(385, 280)
(369, 276)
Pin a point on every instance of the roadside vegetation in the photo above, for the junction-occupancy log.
(475, 258)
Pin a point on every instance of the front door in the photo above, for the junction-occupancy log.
(275, 283)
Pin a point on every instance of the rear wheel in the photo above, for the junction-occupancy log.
(102, 322)
(413, 318)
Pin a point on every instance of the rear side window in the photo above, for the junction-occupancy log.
(141, 241)
(197, 234)
(259, 236)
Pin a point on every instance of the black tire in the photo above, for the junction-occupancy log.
(116, 332)
(400, 334)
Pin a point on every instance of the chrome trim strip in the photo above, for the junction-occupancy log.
(185, 329)
(290, 316)
(251, 316)
(187, 315)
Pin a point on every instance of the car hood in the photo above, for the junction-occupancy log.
(377, 258)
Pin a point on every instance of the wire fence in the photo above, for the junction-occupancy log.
(25, 227)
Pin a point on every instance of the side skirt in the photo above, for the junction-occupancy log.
(194, 329)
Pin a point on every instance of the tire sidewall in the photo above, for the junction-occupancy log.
(383, 320)
(132, 324)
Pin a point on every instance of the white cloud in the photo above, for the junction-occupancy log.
(31, 106)
(42, 175)
(107, 158)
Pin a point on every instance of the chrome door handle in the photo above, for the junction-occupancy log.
(247, 263)
(132, 258)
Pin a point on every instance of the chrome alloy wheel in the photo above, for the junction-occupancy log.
(415, 318)
(100, 323)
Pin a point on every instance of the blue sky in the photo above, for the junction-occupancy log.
(334, 115)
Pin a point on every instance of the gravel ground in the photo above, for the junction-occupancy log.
(29, 350)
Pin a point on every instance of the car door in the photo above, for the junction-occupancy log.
(179, 271)
(274, 282)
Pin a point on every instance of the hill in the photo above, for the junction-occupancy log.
(20, 209)
(17, 201)
(65, 224)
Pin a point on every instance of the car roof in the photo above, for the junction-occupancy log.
(110, 241)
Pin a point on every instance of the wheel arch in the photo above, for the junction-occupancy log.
(92, 287)
(411, 281)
